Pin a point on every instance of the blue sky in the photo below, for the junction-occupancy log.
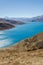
(21, 8)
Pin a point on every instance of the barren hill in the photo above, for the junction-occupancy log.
(27, 52)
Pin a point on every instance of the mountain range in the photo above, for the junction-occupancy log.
(33, 19)
(7, 23)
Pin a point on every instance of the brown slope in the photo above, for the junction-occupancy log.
(19, 54)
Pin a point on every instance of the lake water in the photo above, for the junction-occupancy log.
(20, 32)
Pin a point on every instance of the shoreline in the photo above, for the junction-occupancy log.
(20, 41)
(20, 55)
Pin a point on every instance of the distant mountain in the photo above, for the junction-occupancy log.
(11, 21)
(6, 25)
(33, 19)
(19, 21)
(25, 20)
(37, 19)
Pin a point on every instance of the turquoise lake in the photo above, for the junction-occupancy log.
(19, 33)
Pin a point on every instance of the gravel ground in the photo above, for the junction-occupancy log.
(10, 57)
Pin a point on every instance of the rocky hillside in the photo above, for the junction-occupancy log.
(20, 54)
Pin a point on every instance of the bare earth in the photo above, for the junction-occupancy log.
(23, 53)
(10, 57)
